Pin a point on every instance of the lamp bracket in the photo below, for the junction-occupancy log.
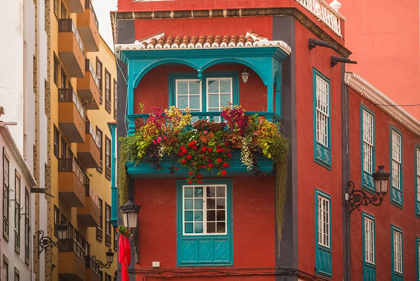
(45, 242)
(314, 42)
(357, 198)
(101, 264)
(335, 60)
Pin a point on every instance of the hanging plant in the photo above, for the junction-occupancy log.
(206, 145)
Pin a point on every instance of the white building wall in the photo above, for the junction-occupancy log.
(15, 259)
(18, 24)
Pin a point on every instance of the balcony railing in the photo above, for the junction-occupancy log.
(89, 68)
(90, 263)
(91, 131)
(68, 95)
(92, 194)
(323, 11)
(135, 120)
(71, 245)
(67, 25)
(69, 165)
(88, 5)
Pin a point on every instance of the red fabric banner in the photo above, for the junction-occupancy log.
(124, 257)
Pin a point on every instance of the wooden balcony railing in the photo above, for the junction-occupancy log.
(71, 245)
(92, 132)
(135, 119)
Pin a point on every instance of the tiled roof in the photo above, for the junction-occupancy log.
(160, 42)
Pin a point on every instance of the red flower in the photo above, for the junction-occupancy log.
(230, 154)
(182, 147)
(226, 144)
(219, 160)
(203, 148)
(189, 156)
(199, 181)
(181, 154)
(192, 143)
(210, 149)
(204, 157)
(190, 181)
(226, 165)
(211, 165)
(199, 176)
(219, 150)
(185, 151)
(195, 147)
(224, 172)
(183, 161)
(191, 173)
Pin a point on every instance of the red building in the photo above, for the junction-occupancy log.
(193, 54)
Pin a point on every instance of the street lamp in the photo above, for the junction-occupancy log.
(45, 242)
(109, 260)
(356, 198)
(130, 212)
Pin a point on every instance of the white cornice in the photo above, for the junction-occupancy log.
(16, 154)
(369, 92)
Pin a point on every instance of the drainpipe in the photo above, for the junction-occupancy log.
(114, 202)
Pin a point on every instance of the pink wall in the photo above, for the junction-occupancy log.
(384, 38)
(386, 214)
(313, 175)
(253, 225)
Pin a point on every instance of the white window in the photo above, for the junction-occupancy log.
(219, 93)
(322, 111)
(418, 174)
(369, 241)
(367, 142)
(397, 252)
(396, 160)
(204, 209)
(323, 221)
(188, 94)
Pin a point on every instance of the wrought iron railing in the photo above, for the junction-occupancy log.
(67, 25)
(71, 245)
(68, 95)
(141, 118)
(69, 165)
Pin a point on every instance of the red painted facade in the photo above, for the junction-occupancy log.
(386, 26)
(254, 222)
(387, 214)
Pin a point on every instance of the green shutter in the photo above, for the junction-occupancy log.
(323, 260)
(369, 269)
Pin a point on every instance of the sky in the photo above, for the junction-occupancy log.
(102, 9)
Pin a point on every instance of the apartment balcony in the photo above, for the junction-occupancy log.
(71, 261)
(70, 48)
(89, 214)
(88, 27)
(92, 270)
(75, 6)
(71, 115)
(71, 186)
(88, 152)
(88, 88)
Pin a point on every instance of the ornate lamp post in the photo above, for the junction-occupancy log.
(45, 242)
(130, 212)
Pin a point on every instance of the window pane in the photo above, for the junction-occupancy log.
(198, 227)
(198, 192)
(198, 216)
(225, 99)
(189, 216)
(188, 228)
(220, 215)
(211, 204)
(221, 227)
(182, 102)
(211, 215)
(220, 191)
(211, 191)
(221, 203)
(182, 87)
(211, 227)
(194, 102)
(213, 86)
(213, 100)
(188, 204)
(225, 86)
(194, 87)
(198, 204)
(189, 191)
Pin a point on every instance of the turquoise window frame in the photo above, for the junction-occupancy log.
(369, 269)
(396, 276)
(206, 75)
(367, 179)
(396, 195)
(188, 240)
(418, 257)
(323, 259)
(416, 182)
(322, 153)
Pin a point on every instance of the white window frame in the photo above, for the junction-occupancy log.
(368, 142)
(398, 262)
(418, 174)
(322, 111)
(369, 240)
(188, 95)
(218, 79)
(396, 159)
(204, 210)
(324, 235)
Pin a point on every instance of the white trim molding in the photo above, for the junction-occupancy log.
(369, 92)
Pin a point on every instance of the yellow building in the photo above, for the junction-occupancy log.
(81, 101)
